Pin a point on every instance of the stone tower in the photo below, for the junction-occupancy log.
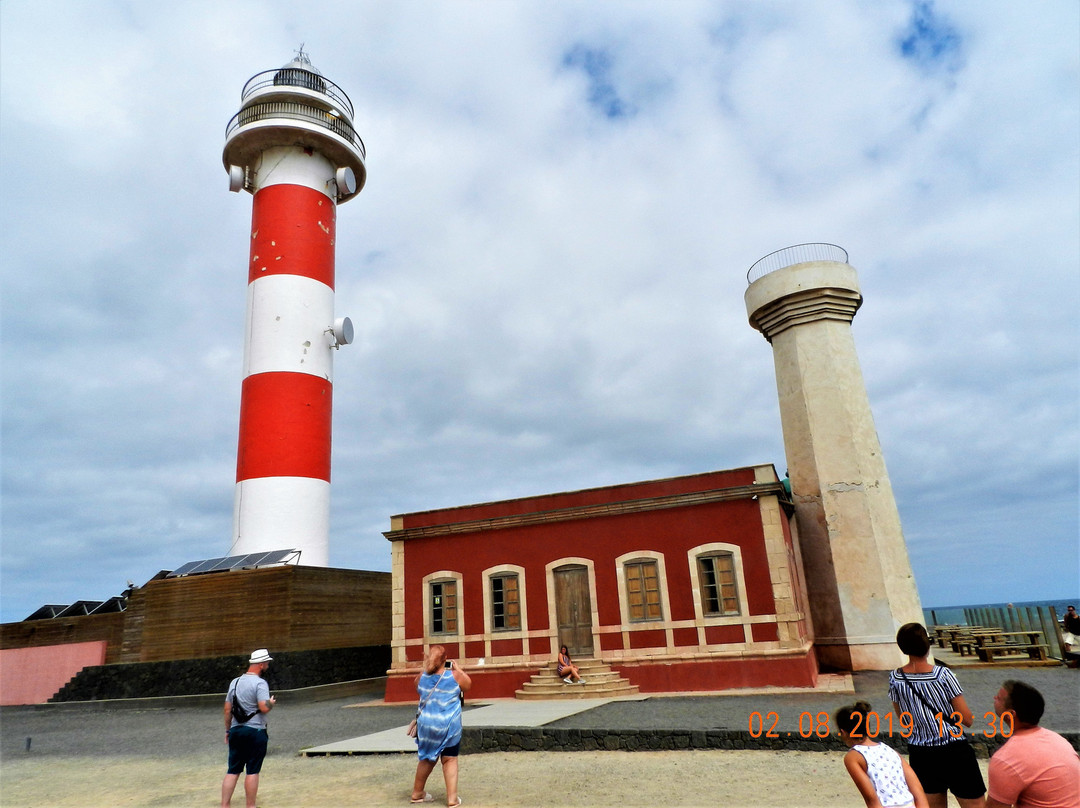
(859, 579)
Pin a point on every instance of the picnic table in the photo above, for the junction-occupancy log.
(1008, 643)
(948, 635)
(964, 639)
(991, 643)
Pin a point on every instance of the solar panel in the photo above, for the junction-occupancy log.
(183, 569)
(226, 563)
(255, 559)
(80, 607)
(48, 611)
(207, 565)
(111, 605)
(279, 556)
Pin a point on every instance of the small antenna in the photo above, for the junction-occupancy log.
(301, 56)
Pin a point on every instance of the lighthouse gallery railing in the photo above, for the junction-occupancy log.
(291, 110)
(796, 254)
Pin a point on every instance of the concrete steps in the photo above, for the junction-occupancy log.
(601, 682)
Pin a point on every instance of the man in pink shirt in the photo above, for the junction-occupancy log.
(1035, 768)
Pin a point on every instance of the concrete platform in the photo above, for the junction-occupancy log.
(503, 713)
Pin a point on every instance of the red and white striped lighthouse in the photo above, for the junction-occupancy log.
(293, 146)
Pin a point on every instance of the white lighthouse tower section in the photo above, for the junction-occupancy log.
(295, 165)
(287, 326)
(291, 512)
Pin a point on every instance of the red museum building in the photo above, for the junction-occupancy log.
(685, 584)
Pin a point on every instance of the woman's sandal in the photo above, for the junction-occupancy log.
(426, 798)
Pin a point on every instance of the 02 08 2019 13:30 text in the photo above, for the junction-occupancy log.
(873, 725)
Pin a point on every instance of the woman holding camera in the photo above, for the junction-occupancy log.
(438, 723)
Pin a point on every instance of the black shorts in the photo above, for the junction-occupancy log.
(247, 748)
(951, 767)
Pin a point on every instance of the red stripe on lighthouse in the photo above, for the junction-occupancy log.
(292, 233)
(284, 426)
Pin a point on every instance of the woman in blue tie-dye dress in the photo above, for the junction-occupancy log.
(438, 724)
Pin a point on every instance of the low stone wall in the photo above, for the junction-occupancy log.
(543, 739)
(290, 670)
(477, 740)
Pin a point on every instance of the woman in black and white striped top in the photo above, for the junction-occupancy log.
(938, 750)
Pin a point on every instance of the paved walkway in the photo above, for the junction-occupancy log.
(517, 713)
(503, 713)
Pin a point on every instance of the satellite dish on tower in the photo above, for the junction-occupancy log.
(236, 178)
(346, 181)
(343, 331)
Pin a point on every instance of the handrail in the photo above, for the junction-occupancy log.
(297, 77)
(796, 254)
(298, 112)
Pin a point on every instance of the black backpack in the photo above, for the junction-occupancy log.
(238, 712)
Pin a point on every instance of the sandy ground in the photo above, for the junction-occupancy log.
(685, 778)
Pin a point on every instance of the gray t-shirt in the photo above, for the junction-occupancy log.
(250, 689)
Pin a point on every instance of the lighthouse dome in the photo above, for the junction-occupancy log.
(300, 72)
(302, 62)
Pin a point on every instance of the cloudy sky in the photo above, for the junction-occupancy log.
(546, 268)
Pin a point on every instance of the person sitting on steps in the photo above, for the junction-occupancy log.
(568, 671)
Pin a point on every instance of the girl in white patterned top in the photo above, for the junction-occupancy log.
(884, 779)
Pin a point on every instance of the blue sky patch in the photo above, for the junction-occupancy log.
(596, 64)
(930, 41)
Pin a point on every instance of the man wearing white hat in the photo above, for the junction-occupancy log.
(246, 704)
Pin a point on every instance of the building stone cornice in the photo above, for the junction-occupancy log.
(591, 511)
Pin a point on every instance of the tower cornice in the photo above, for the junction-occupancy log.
(805, 307)
(803, 293)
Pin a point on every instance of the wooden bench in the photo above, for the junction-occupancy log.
(971, 636)
(941, 633)
(987, 653)
(966, 647)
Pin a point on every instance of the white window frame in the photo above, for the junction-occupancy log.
(459, 613)
(500, 571)
(661, 582)
(715, 548)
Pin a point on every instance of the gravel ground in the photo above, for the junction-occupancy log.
(98, 732)
(84, 757)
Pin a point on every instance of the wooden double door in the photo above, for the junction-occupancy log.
(573, 609)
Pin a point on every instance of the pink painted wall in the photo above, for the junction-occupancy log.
(33, 675)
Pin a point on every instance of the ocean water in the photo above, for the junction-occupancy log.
(954, 615)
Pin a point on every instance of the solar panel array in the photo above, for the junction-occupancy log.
(226, 563)
(119, 604)
(48, 611)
